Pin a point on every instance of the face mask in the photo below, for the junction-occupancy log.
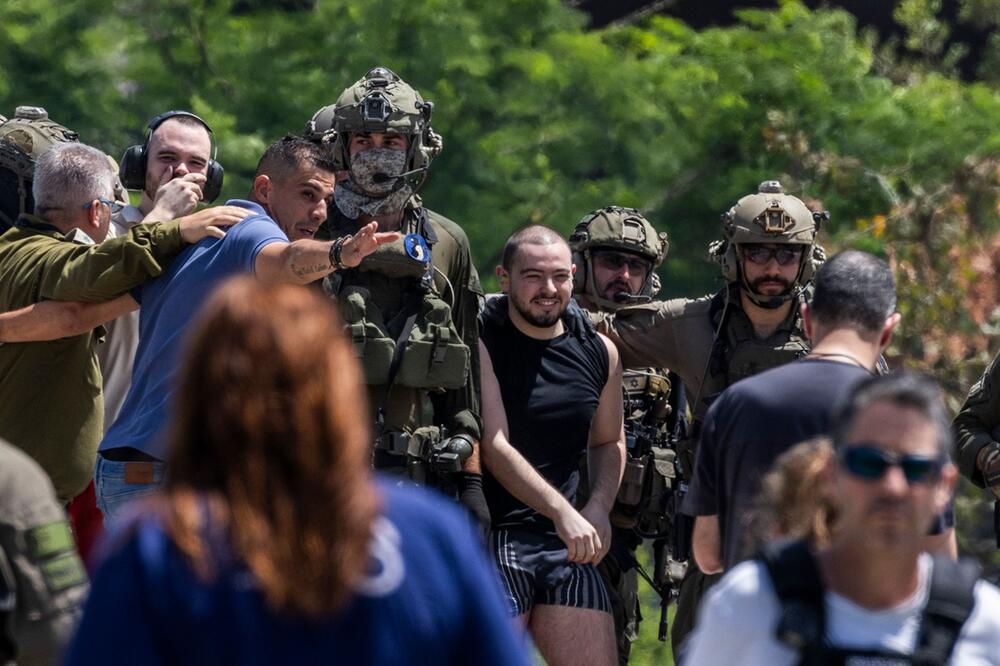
(371, 188)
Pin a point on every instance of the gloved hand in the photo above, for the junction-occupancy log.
(470, 495)
(988, 461)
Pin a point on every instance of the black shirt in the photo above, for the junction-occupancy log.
(752, 423)
(551, 390)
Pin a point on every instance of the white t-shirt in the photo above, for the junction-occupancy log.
(738, 620)
(117, 353)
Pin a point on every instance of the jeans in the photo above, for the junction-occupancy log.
(114, 492)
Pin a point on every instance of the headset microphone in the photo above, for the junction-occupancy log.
(379, 178)
(629, 299)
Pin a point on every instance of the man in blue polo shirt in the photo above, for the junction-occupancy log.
(291, 190)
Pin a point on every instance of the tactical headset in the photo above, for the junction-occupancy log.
(132, 170)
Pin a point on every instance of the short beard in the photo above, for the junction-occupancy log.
(755, 286)
(610, 293)
(544, 321)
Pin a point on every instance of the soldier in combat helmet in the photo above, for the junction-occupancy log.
(616, 252)
(411, 307)
(768, 254)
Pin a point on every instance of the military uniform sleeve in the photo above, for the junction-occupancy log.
(39, 563)
(460, 408)
(96, 273)
(644, 334)
(976, 420)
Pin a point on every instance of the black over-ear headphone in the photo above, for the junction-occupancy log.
(132, 169)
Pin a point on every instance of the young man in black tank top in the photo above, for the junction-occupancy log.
(551, 394)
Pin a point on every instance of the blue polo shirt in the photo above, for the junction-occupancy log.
(169, 303)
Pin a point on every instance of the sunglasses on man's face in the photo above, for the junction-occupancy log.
(615, 261)
(760, 255)
(871, 463)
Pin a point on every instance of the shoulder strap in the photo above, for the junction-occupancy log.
(797, 583)
(949, 604)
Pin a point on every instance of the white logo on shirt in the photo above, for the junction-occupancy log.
(386, 569)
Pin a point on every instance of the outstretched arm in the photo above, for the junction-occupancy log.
(307, 260)
(51, 320)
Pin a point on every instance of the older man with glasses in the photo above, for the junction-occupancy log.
(50, 392)
(872, 596)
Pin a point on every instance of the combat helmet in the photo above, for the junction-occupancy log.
(379, 102)
(616, 228)
(22, 139)
(769, 216)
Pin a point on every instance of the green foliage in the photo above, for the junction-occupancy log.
(545, 119)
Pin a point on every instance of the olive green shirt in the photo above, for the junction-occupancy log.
(977, 420)
(40, 571)
(50, 392)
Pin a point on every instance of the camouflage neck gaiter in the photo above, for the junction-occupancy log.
(370, 188)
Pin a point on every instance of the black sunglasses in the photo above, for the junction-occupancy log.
(760, 255)
(869, 462)
(617, 260)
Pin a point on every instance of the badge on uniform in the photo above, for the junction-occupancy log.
(416, 247)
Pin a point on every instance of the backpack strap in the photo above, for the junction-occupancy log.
(949, 604)
(798, 585)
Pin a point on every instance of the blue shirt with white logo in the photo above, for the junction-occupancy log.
(430, 597)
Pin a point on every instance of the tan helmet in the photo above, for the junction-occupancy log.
(769, 216)
(22, 139)
(379, 102)
(616, 228)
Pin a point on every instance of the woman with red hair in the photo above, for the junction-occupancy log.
(272, 542)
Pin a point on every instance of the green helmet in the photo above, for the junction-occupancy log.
(22, 139)
(616, 228)
(379, 102)
(769, 216)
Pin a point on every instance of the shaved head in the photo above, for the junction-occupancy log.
(536, 234)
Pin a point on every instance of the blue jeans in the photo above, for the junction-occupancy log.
(114, 492)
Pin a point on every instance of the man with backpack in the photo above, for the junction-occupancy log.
(872, 596)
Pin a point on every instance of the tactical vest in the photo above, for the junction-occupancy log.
(798, 585)
(649, 463)
(389, 300)
(737, 352)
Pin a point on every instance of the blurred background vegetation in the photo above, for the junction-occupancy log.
(548, 113)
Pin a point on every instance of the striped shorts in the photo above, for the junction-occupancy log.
(533, 570)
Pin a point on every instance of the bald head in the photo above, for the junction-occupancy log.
(536, 234)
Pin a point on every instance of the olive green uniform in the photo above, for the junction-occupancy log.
(412, 403)
(680, 334)
(50, 395)
(42, 582)
(977, 421)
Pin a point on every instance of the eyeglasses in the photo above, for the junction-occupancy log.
(114, 205)
(615, 261)
(760, 254)
(871, 463)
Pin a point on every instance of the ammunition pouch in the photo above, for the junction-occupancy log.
(427, 451)
(435, 355)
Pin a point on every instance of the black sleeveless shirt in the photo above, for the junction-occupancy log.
(550, 389)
